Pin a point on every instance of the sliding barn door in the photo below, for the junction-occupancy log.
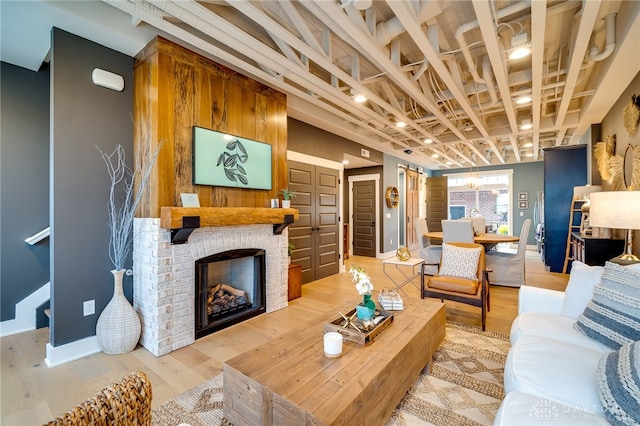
(436, 202)
(413, 208)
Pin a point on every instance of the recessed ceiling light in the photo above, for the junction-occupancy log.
(528, 145)
(519, 46)
(428, 141)
(359, 98)
(526, 124)
(448, 163)
(529, 154)
(467, 127)
(434, 155)
(524, 99)
(401, 124)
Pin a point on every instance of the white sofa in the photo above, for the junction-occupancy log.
(551, 372)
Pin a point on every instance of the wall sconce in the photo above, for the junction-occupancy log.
(107, 79)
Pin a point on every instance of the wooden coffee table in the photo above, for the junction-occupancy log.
(289, 381)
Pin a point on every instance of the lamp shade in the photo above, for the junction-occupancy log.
(615, 209)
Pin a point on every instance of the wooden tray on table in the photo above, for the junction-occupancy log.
(360, 337)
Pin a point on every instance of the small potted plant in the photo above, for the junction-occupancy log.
(290, 248)
(287, 194)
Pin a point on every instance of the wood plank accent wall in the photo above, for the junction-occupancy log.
(175, 89)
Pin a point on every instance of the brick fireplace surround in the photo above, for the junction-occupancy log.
(164, 276)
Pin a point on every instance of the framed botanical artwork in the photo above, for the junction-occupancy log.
(522, 196)
(523, 204)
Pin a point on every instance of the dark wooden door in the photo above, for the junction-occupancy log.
(315, 233)
(413, 209)
(327, 249)
(364, 218)
(437, 202)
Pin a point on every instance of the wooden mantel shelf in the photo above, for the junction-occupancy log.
(171, 217)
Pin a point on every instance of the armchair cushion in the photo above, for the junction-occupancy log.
(612, 317)
(618, 384)
(454, 284)
(582, 280)
(460, 261)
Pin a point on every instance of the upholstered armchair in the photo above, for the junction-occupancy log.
(127, 402)
(429, 252)
(462, 277)
(508, 269)
(460, 231)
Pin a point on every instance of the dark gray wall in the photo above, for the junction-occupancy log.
(310, 140)
(83, 116)
(24, 183)
(527, 177)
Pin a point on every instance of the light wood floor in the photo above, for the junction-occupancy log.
(32, 394)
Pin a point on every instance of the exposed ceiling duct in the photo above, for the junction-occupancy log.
(441, 67)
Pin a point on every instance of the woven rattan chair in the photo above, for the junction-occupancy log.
(509, 269)
(464, 290)
(429, 252)
(460, 231)
(127, 402)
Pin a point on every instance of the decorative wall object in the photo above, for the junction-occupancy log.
(603, 151)
(631, 115)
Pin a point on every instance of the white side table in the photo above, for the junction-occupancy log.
(403, 267)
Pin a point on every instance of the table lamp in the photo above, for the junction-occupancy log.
(620, 210)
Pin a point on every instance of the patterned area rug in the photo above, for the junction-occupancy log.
(464, 387)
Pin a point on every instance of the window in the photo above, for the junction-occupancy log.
(486, 194)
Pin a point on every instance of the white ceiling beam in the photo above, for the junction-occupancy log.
(619, 70)
(301, 26)
(479, 154)
(331, 15)
(587, 17)
(410, 21)
(151, 15)
(516, 149)
(490, 35)
(260, 17)
(538, 31)
(495, 150)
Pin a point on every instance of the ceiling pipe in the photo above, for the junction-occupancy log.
(471, 65)
(388, 30)
(611, 40)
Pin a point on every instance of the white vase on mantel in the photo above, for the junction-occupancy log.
(286, 204)
(118, 328)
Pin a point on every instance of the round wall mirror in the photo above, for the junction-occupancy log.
(628, 167)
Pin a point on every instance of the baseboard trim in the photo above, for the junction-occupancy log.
(58, 355)
(25, 319)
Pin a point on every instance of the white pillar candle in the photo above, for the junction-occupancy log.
(332, 344)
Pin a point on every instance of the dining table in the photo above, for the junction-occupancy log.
(489, 241)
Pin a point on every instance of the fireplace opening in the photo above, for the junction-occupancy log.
(230, 288)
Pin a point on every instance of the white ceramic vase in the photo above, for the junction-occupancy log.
(286, 204)
(118, 328)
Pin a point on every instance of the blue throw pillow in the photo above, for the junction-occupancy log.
(612, 317)
(619, 385)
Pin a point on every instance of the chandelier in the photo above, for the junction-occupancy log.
(473, 181)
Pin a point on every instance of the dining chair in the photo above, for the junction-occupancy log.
(429, 252)
(457, 231)
(508, 269)
(479, 224)
(462, 277)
